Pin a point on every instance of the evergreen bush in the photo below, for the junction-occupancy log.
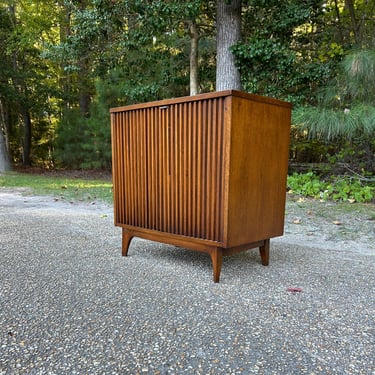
(346, 111)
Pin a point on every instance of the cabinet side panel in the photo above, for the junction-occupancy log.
(258, 170)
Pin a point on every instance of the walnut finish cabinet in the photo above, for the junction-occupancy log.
(205, 172)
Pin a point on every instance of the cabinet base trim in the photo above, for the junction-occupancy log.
(215, 250)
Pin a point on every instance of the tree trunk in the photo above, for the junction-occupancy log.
(65, 79)
(4, 158)
(339, 23)
(228, 33)
(26, 154)
(4, 154)
(21, 89)
(84, 102)
(84, 83)
(194, 35)
(354, 24)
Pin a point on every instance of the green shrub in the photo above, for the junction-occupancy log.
(70, 137)
(306, 184)
(85, 142)
(337, 188)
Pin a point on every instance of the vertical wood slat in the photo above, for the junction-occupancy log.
(130, 173)
(168, 164)
(201, 164)
(185, 157)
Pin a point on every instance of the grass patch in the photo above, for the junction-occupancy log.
(71, 189)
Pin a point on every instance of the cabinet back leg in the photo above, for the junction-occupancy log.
(126, 238)
(265, 252)
(217, 260)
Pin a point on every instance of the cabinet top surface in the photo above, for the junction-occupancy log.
(219, 94)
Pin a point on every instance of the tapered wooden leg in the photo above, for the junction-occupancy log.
(126, 238)
(217, 259)
(265, 252)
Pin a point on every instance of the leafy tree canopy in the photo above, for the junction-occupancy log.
(65, 63)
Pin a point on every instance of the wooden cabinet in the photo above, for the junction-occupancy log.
(205, 172)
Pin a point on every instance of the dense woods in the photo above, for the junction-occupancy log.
(65, 63)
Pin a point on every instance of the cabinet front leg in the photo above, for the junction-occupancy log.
(217, 259)
(126, 238)
(265, 252)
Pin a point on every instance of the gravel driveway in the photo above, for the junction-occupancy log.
(70, 304)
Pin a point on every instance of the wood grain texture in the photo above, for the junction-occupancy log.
(206, 172)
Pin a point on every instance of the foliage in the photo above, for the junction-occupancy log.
(272, 69)
(344, 188)
(28, 108)
(141, 54)
(96, 146)
(280, 54)
(66, 63)
(70, 136)
(346, 110)
(358, 79)
(330, 124)
(306, 184)
(349, 24)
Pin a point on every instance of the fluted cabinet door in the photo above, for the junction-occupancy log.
(168, 168)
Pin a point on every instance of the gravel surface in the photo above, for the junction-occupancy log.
(70, 304)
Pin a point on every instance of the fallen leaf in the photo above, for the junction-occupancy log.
(336, 222)
(294, 290)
